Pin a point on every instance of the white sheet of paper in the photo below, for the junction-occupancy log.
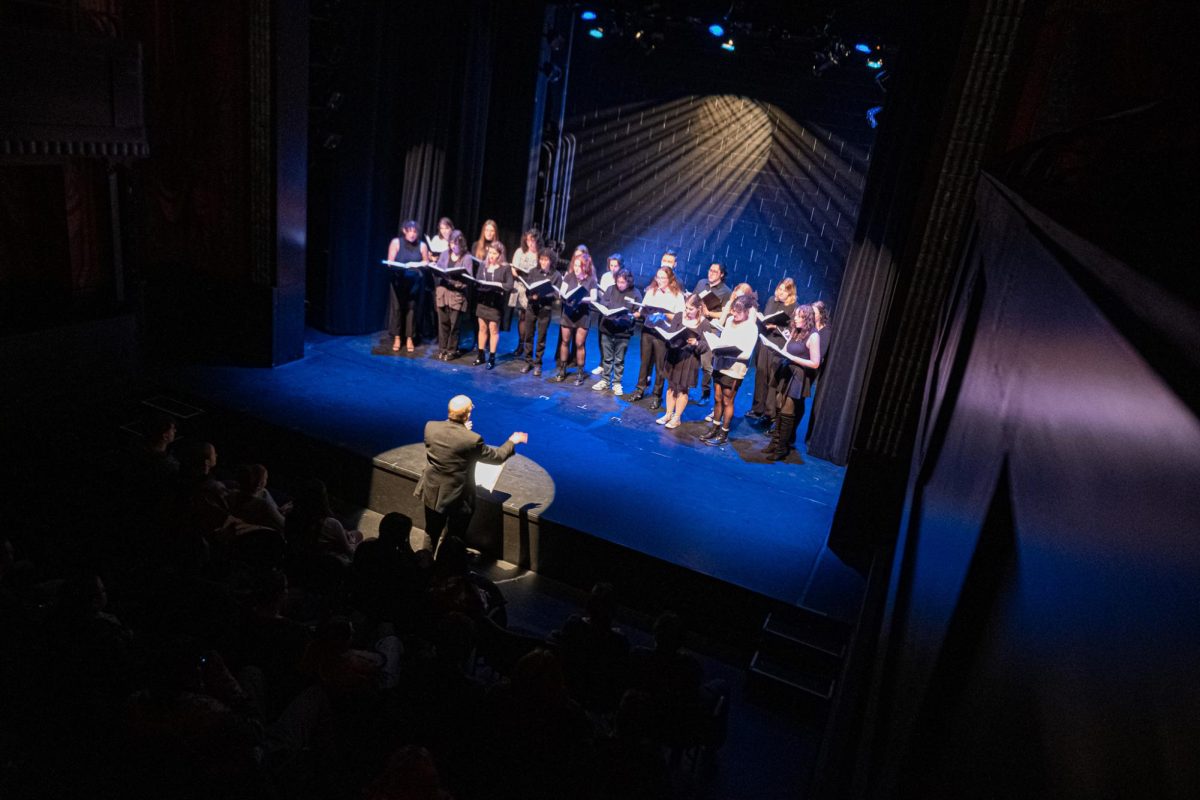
(486, 475)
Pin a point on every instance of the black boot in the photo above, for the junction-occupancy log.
(785, 429)
(491, 361)
(480, 357)
(638, 394)
(528, 366)
(721, 438)
(561, 375)
(711, 432)
(580, 376)
(773, 446)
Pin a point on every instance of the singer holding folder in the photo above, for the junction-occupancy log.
(407, 284)
(577, 290)
(797, 371)
(493, 282)
(664, 297)
(447, 485)
(450, 294)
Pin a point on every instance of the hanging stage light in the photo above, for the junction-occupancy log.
(862, 48)
(596, 33)
(872, 114)
(728, 46)
(716, 30)
(588, 16)
(875, 61)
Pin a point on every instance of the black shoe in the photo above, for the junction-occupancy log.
(784, 430)
(580, 378)
(561, 375)
(638, 395)
(710, 433)
(491, 362)
(479, 359)
(656, 404)
(772, 449)
(537, 370)
(527, 367)
(715, 441)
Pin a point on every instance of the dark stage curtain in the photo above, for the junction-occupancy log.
(1059, 389)
(412, 143)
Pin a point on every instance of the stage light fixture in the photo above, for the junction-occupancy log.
(862, 48)
(596, 33)
(872, 115)
(728, 46)
(716, 30)
(588, 16)
(875, 62)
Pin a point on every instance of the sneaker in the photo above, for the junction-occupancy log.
(579, 379)
(664, 419)
(673, 424)
(617, 390)
(600, 385)
(599, 370)
(709, 417)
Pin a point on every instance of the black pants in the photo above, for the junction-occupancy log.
(766, 383)
(453, 521)
(403, 305)
(654, 354)
(535, 324)
(448, 327)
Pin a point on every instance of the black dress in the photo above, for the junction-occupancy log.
(683, 359)
(799, 380)
(489, 301)
(578, 315)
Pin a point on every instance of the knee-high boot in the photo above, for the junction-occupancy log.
(785, 433)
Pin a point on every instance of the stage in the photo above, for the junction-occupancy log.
(595, 464)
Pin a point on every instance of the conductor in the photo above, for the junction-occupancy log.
(447, 486)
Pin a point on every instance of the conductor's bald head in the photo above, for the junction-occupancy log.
(459, 408)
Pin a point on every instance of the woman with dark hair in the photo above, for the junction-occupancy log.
(738, 336)
(615, 332)
(524, 263)
(407, 284)
(683, 359)
(439, 244)
(535, 322)
(663, 296)
(783, 301)
(575, 318)
(493, 283)
(799, 370)
(451, 295)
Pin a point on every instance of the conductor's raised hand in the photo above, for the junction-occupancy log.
(519, 437)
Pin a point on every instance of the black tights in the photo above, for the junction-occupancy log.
(564, 344)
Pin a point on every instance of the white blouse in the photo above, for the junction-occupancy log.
(672, 302)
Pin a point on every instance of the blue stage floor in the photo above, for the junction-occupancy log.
(616, 475)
